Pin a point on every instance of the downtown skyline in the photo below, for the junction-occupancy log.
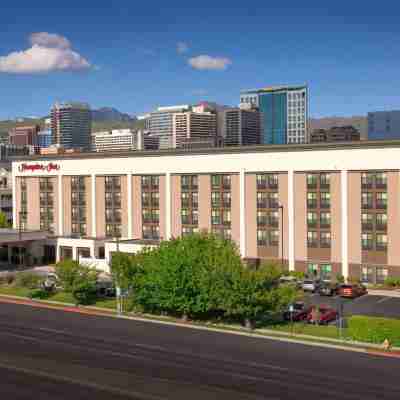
(138, 58)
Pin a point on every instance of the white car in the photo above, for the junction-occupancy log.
(310, 285)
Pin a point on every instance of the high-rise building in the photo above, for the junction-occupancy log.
(71, 125)
(335, 134)
(241, 127)
(115, 140)
(284, 112)
(383, 125)
(161, 120)
(24, 135)
(195, 126)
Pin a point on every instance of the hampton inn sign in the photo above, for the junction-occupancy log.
(39, 167)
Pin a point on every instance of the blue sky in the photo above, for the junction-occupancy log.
(126, 55)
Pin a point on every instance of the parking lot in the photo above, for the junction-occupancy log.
(371, 305)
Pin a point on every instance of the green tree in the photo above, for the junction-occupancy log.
(4, 221)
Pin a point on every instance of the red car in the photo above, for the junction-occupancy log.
(299, 313)
(321, 315)
(352, 291)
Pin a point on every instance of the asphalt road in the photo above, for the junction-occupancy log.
(48, 354)
(374, 306)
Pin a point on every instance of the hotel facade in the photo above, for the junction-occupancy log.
(328, 210)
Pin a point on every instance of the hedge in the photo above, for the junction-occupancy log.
(374, 329)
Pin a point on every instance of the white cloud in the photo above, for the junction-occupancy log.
(49, 52)
(45, 39)
(205, 62)
(182, 47)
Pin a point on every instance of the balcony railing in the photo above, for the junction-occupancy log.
(312, 185)
(312, 223)
(312, 243)
(367, 226)
(381, 205)
(325, 224)
(381, 246)
(381, 226)
(325, 243)
(312, 203)
(262, 204)
(325, 204)
(262, 221)
(367, 205)
(273, 222)
(273, 203)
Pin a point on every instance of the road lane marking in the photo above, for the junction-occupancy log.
(384, 299)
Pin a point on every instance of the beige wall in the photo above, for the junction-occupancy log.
(235, 208)
(283, 200)
(124, 206)
(100, 207)
(300, 216)
(67, 206)
(33, 198)
(137, 207)
(393, 213)
(162, 208)
(176, 222)
(251, 215)
(89, 205)
(336, 218)
(17, 200)
(57, 210)
(354, 217)
(205, 202)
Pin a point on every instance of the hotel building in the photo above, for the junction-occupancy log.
(329, 209)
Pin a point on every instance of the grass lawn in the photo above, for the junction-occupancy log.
(308, 329)
(14, 291)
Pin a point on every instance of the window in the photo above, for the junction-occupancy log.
(324, 180)
(261, 181)
(325, 239)
(261, 200)
(367, 221)
(273, 237)
(215, 217)
(311, 200)
(195, 200)
(215, 181)
(273, 200)
(367, 179)
(381, 222)
(145, 199)
(273, 219)
(312, 269)
(262, 218)
(312, 239)
(312, 219)
(381, 200)
(367, 275)
(226, 199)
(367, 241)
(226, 217)
(325, 200)
(381, 242)
(273, 181)
(216, 199)
(261, 238)
(367, 200)
(381, 275)
(326, 271)
(226, 181)
(185, 199)
(325, 219)
(381, 180)
(312, 180)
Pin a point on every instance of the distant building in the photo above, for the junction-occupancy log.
(115, 140)
(71, 125)
(193, 125)
(146, 119)
(6, 203)
(24, 135)
(11, 150)
(383, 125)
(284, 113)
(241, 127)
(335, 134)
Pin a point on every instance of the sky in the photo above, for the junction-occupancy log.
(135, 56)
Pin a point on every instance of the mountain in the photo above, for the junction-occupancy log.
(110, 114)
(358, 122)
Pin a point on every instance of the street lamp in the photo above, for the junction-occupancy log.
(118, 288)
(282, 216)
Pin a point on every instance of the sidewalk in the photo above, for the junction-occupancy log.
(383, 292)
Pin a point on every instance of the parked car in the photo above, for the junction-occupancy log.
(321, 315)
(310, 285)
(299, 313)
(352, 291)
(290, 280)
(328, 289)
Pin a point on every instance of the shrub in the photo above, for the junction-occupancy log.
(339, 278)
(70, 273)
(84, 292)
(299, 275)
(39, 294)
(374, 329)
(28, 280)
(392, 282)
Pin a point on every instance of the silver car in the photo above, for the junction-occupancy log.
(310, 285)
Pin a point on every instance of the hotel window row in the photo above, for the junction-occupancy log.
(78, 206)
(150, 206)
(113, 206)
(46, 191)
(189, 204)
(221, 205)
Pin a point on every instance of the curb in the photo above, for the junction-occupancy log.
(309, 340)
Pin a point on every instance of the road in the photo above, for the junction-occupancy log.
(51, 354)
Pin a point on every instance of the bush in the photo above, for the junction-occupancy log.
(339, 278)
(28, 280)
(39, 294)
(7, 278)
(84, 292)
(392, 282)
(374, 329)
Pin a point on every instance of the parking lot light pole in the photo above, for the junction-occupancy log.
(118, 288)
